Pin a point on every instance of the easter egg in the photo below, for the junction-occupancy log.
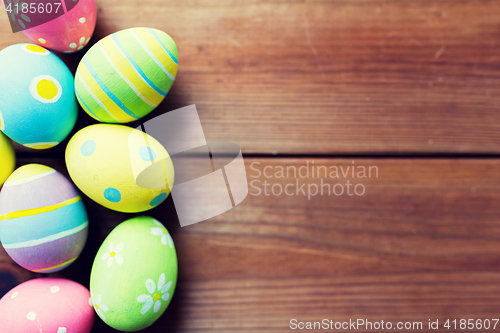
(67, 28)
(47, 305)
(134, 274)
(43, 222)
(38, 108)
(104, 161)
(7, 157)
(125, 75)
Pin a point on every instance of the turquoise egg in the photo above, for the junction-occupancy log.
(38, 107)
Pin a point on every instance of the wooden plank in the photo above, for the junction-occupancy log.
(328, 76)
(421, 243)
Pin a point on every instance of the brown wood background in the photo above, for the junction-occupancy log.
(410, 86)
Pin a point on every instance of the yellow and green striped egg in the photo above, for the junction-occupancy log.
(125, 75)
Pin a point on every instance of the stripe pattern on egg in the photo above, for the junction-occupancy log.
(126, 75)
(43, 222)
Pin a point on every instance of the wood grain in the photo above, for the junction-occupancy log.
(421, 243)
(328, 76)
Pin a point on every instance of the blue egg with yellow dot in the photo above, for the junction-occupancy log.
(38, 107)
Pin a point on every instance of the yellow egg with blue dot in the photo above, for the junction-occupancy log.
(105, 161)
(7, 158)
(38, 108)
(125, 75)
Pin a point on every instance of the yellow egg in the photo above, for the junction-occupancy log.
(105, 161)
(7, 158)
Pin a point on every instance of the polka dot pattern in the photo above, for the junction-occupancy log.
(112, 194)
(37, 307)
(147, 154)
(31, 316)
(34, 49)
(88, 148)
(158, 200)
(45, 89)
(59, 32)
(113, 168)
(45, 97)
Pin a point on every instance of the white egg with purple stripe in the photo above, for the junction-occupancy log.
(43, 222)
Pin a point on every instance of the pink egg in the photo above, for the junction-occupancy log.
(66, 33)
(48, 304)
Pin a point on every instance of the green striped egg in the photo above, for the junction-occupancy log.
(125, 75)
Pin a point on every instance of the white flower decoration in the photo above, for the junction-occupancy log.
(113, 254)
(74, 46)
(98, 306)
(155, 297)
(163, 233)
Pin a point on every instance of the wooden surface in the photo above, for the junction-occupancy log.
(411, 87)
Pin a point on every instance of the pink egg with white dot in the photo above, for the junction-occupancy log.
(52, 304)
(68, 33)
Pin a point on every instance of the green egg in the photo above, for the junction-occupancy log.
(134, 274)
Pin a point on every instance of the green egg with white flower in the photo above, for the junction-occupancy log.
(134, 274)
